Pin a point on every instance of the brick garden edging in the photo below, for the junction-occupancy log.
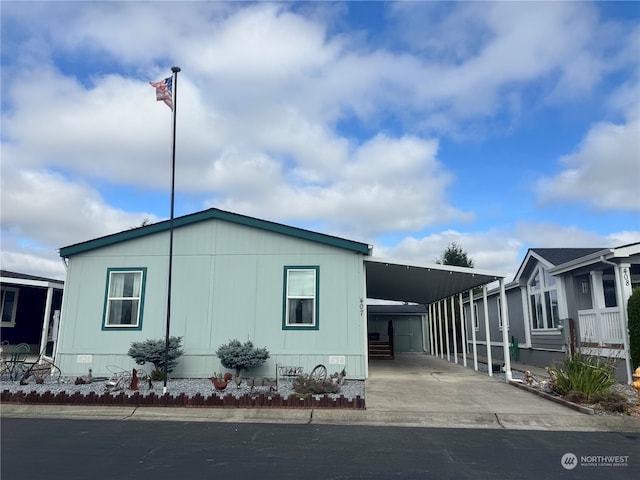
(181, 400)
(553, 398)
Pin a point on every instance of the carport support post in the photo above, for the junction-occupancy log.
(45, 321)
(473, 331)
(440, 328)
(486, 328)
(455, 333)
(463, 332)
(432, 330)
(446, 329)
(505, 332)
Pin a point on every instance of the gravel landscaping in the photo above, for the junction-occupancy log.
(351, 395)
(188, 388)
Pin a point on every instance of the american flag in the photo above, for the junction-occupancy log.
(163, 91)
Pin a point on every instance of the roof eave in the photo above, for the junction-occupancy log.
(59, 285)
(596, 257)
(213, 213)
(523, 266)
(581, 262)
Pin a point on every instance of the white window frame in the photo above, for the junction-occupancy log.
(286, 324)
(476, 321)
(139, 297)
(499, 305)
(544, 289)
(14, 307)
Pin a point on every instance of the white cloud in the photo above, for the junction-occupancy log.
(45, 210)
(40, 264)
(552, 235)
(494, 250)
(267, 99)
(502, 250)
(386, 185)
(603, 172)
(481, 55)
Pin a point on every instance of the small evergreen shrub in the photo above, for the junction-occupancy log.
(152, 351)
(238, 356)
(580, 373)
(633, 310)
(307, 385)
(157, 375)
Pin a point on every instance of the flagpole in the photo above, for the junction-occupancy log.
(174, 89)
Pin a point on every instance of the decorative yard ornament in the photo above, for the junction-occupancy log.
(636, 384)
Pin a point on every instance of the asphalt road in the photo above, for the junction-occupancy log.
(33, 449)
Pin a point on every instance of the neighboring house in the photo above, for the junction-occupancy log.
(301, 294)
(563, 299)
(30, 311)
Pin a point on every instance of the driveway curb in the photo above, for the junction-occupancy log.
(553, 398)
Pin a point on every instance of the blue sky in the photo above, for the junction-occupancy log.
(408, 125)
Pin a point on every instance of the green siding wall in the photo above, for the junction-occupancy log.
(227, 283)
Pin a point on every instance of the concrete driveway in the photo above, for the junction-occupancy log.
(422, 390)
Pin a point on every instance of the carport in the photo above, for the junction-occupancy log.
(438, 286)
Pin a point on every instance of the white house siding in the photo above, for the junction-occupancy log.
(227, 283)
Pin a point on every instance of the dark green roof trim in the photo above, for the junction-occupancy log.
(214, 214)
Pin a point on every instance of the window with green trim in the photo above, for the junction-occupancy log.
(124, 298)
(300, 298)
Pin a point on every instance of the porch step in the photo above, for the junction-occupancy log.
(380, 350)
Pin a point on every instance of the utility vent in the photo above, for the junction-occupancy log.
(336, 360)
(84, 359)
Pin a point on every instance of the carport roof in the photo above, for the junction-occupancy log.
(406, 282)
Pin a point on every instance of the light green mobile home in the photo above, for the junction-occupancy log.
(300, 294)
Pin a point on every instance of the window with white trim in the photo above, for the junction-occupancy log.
(300, 298)
(124, 298)
(476, 321)
(499, 306)
(9, 306)
(609, 288)
(467, 312)
(543, 300)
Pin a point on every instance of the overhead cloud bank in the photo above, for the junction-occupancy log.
(294, 113)
(603, 171)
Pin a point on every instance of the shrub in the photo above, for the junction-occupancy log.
(633, 309)
(153, 351)
(306, 384)
(612, 402)
(580, 373)
(575, 397)
(240, 356)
